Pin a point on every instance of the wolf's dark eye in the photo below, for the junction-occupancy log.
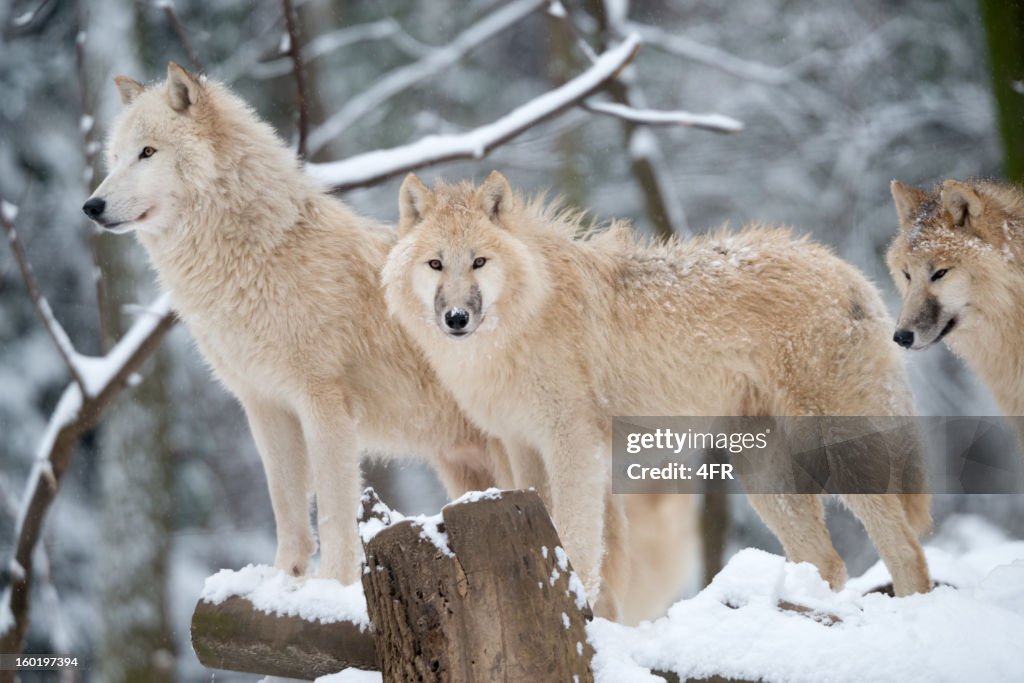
(937, 275)
(906, 275)
(435, 264)
(479, 262)
(146, 152)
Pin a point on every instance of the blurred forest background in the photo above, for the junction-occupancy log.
(836, 100)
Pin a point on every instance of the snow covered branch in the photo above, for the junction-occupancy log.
(664, 208)
(716, 123)
(98, 382)
(371, 167)
(412, 74)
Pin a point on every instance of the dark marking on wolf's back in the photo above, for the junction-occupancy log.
(475, 302)
(856, 310)
(930, 312)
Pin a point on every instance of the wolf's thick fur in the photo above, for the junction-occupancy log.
(958, 261)
(279, 285)
(564, 333)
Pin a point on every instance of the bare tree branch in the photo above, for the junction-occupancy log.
(90, 146)
(412, 74)
(664, 208)
(716, 123)
(295, 53)
(365, 169)
(172, 17)
(76, 413)
(709, 56)
(42, 307)
(325, 43)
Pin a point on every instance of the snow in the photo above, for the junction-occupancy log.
(85, 124)
(274, 592)
(474, 496)
(6, 617)
(352, 676)
(713, 122)
(383, 517)
(98, 372)
(557, 10)
(734, 627)
(8, 211)
(475, 143)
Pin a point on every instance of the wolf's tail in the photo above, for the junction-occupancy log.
(917, 507)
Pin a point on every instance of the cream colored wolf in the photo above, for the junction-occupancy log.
(958, 261)
(279, 285)
(543, 337)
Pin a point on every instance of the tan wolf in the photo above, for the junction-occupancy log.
(543, 337)
(279, 284)
(958, 261)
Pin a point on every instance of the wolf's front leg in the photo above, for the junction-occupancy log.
(579, 476)
(279, 441)
(337, 482)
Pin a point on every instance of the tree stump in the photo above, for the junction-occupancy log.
(481, 592)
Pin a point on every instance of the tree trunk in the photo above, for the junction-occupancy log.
(1004, 24)
(493, 599)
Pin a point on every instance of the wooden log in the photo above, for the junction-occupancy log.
(485, 593)
(236, 636)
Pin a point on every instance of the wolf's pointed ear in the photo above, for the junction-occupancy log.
(961, 203)
(495, 196)
(906, 199)
(128, 89)
(413, 199)
(183, 89)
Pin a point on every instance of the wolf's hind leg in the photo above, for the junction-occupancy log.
(616, 565)
(885, 519)
(280, 444)
(798, 521)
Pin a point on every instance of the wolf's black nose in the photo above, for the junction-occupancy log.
(904, 338)
(456, 319)
(94, 207)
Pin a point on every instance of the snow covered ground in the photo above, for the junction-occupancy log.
(968, 629)
(733, 627)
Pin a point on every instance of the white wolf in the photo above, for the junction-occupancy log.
(279, 285)
(543, 337)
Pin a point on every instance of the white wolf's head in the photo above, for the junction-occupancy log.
(952, 243)
(458, 261)
(155, 144)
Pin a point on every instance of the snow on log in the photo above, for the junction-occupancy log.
(364, 169)
(260, 620)
(484, 593)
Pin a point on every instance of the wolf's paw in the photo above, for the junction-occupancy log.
(340, 568)
(293, 557)
(835, 574)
